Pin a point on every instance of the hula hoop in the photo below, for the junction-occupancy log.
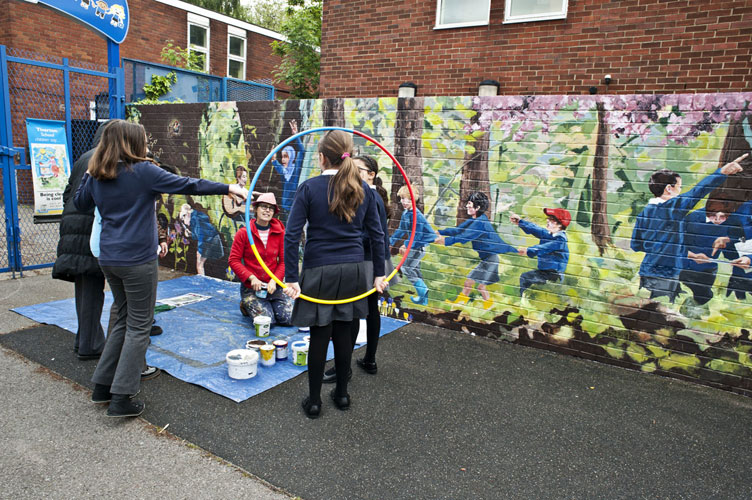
(248, 212)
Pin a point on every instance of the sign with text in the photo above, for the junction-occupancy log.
(109, 18)
(50, 164)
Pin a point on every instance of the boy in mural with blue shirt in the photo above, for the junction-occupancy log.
(552, 251)
(424, 235)
(658, 230)
(479, 231)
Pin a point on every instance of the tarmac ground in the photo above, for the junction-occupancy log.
(447, 416)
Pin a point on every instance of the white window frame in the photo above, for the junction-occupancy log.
(201, 22)
(233, 32)
(509, 19)
(439, 26)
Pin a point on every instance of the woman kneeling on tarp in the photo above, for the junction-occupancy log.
(259, 294)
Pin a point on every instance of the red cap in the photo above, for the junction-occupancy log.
(561, 214)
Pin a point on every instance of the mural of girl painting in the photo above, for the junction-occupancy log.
(198, 226)
(289, 166)
(479, 231)
(259, 294)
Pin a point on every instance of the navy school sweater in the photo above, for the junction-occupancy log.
(129, 226)
(330, 240)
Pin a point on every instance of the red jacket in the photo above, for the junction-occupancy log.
(244, 263)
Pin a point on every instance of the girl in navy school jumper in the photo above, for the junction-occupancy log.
(123, 185)
(337, 206)
(485, 240)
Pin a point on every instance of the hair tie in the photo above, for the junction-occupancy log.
(345, 155)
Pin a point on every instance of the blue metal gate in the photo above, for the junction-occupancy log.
(51, 88)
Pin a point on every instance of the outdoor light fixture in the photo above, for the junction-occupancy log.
(488, 88)
(407, 89)
(607, 79)
(593, 90)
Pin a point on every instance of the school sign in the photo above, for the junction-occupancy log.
(111, 18)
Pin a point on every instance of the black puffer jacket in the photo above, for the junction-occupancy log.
(73, 254)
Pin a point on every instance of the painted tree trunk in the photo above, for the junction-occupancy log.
(408, 131)
(599, 229)
(334, 112)
(737, 189)
(475, 177)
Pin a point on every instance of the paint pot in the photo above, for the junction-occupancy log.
(299, 353)
(267, 355)
(281, 349)
(263, 325)
(255, 344)
(242, 363)
(304, 329)
(307, 338)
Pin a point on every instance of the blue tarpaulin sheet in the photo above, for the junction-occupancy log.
(198, 336)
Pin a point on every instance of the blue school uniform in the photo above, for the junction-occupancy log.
(659, 230)
(424, 233)
(291, 173)
(482, 235)
(552, 253)
(740, 282)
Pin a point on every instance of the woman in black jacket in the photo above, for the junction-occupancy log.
(76, 263)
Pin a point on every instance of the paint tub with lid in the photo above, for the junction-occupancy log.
(281, 349)
(299, 353)
(262, 324)
(267, 355)
(242, 363)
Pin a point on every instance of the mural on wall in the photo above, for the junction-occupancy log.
(613, 227)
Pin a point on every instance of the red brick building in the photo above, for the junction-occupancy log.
(230, 47)
(447, 47)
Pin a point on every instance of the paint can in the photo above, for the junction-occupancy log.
(242, 363)
(262, 324)
(255, 344)
(267, 355)
(280, 349)
(299, 353)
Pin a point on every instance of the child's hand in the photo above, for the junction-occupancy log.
(402, 249)
(699, 258)
(733, 167)
(742, 262)
(719, 243)
(292, 290)
(514, 218)
(522, 250)
(379, 284)
(441, 240)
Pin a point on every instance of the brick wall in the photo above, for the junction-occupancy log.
(590, 155)
(151, 25)
(370, 48)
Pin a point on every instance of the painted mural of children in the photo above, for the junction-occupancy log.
(424, 235)
(552, 251)
(232, 206)
(740, 282)
(198, 227)
(289, 166)
(479, 231)
(707, 231)
(658, 228)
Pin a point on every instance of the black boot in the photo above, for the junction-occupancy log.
(122, 406)
(101, 394)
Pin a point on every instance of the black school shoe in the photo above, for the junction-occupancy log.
(368, 367)
(150, 372)
(155, 330)
(341, 402)
(312, 410)
(122, 406)
(102, 394)
(330, 376)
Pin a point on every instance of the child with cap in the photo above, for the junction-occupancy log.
(259, 294)
(480, 232)
(552, 251)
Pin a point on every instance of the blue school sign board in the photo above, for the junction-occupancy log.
(109, 17)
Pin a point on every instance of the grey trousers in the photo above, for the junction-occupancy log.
(134, 292)
(89, 301)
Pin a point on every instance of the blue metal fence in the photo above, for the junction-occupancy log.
(191, 86)
(47, 87)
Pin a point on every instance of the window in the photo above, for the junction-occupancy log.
(235, 53)
(521, 11)
(198, 38)
(462, 13)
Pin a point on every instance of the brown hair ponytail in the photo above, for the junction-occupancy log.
(121, 141)
(345, 187)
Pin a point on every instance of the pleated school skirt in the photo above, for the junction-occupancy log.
(331, 282)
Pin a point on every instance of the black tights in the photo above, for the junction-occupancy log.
(373, 329)
(341, 334)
